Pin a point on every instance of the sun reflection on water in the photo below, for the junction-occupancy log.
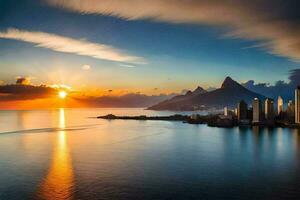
(59, 182)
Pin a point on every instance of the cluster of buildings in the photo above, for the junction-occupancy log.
(264, 112)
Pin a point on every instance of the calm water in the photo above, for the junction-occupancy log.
(64, 154)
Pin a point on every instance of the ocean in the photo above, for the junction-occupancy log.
(69, 154)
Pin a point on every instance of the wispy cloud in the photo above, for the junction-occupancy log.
(86, 67)
(69, 45)
(261, 21)
(126, 65)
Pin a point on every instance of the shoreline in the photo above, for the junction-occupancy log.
(209, 120)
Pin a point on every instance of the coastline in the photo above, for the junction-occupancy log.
(209, 120)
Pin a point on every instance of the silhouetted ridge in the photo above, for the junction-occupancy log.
(189, 92)
(230, 94)
(199, 90)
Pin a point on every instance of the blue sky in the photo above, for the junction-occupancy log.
(175, 56)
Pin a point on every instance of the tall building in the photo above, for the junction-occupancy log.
(250, 114)
(226, 111)
(257, 111)
(269, 109)
(279, 105)
(297, 105)
(242, 110)
(290, 111)
(235, 112)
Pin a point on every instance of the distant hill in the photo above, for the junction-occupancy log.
(230, 93)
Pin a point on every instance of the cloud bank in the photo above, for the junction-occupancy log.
(23, 90)
(69, 45)
(284, 89)
(268, 22)
(128, 100)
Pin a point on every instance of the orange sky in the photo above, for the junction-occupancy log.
(46, 103)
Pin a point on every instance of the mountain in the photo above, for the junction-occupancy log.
(199, 90)
(177, 99)
(229, 94)
(229, 83)
(129, 100)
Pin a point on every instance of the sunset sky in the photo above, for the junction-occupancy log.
(95, 48)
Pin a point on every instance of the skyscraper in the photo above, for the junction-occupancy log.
(235, 111)
(226, 111)
(269, 109)
(279, 105)
(257, 110)
(290, 111)
(242, 110)
(297, 105)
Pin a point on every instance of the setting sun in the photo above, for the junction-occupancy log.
(62, 94)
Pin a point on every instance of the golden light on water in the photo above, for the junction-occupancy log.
(59, 182)
(62, 122)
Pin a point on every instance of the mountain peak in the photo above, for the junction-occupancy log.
(199, 90)
(230, 83)
(230, 94)
(188, 92)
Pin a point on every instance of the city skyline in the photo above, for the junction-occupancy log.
(262, 112)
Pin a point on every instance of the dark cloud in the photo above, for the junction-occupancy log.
(295, 77)
(22, 91)
(281, 88)
(23, 81)
(127, 100)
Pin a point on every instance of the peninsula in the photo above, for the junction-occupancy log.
(210, 120)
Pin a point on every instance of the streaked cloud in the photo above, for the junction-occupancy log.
(61, 87)
(69, 45)
(261, 21)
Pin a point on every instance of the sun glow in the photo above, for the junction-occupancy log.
(62, 94)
